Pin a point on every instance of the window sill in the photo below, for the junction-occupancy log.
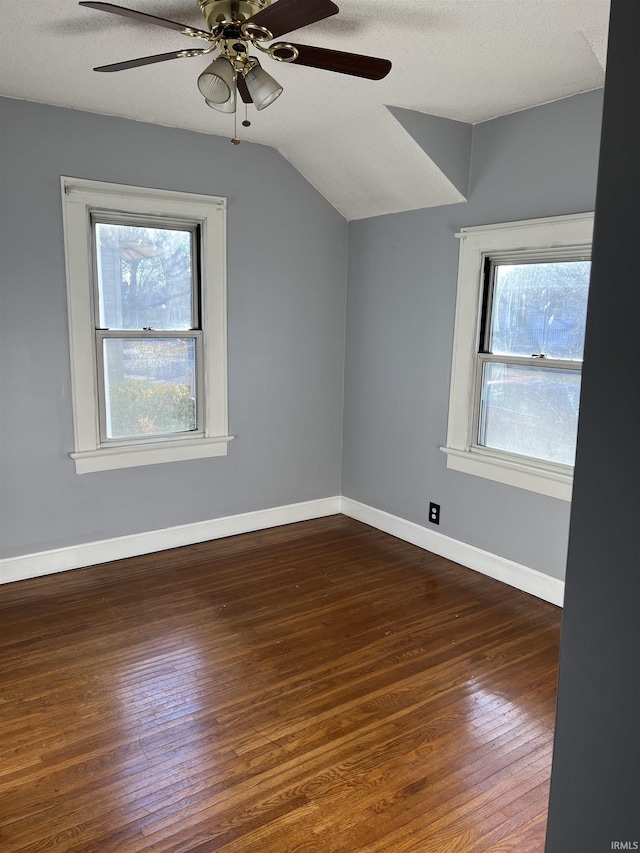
(110, 458)
(511, 472)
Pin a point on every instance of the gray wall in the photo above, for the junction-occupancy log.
(287, 266)
(400, 314)
(595, 779)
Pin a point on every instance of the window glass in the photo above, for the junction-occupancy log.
(149, 386)
(145, 277)
(539, 308)
(532, 411)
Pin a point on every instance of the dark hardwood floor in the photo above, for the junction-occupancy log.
(318, 688)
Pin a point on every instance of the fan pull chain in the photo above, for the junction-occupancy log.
(246, 122)
(235, 140)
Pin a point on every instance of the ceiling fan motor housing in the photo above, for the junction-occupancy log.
(230, 11)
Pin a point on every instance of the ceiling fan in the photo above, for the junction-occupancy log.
(235, 26)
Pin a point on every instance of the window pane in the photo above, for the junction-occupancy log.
(144, 277)
(149, 387)
(530, 410)
(540, 308)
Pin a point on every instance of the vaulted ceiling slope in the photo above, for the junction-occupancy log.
(362, 144)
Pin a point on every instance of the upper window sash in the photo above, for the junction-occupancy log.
(492, 265)
(106, 217)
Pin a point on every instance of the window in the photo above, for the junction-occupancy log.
(147, 319)
(518, 342)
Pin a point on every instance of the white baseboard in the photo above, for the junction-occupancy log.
(521, 577)
(92, 553)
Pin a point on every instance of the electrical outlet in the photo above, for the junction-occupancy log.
(434, 513)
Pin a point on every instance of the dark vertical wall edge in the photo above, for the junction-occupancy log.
(595, 785)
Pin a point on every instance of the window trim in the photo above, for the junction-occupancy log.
(79, 199)
(530, 239)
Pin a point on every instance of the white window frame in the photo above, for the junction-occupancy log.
(529, 239)
(81, 197)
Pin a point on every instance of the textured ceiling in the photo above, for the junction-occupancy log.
(468, 60)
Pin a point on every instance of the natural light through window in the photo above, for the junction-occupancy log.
(531, 356)
(518, 348)
(148, 332)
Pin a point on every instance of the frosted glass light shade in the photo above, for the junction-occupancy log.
(262, 87)
(217, 81)
(229, 105)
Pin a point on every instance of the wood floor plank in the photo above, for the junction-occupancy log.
(316, 688)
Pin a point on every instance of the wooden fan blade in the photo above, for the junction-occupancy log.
(241, 83)
(335, 60)
(284, 16)
(149, 60)
(143, 16)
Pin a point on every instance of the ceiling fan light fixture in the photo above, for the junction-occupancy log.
(262, 87)
(217, 82)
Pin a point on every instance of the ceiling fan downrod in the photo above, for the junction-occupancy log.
(223, 12)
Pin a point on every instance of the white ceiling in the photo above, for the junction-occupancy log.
(468, 60)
